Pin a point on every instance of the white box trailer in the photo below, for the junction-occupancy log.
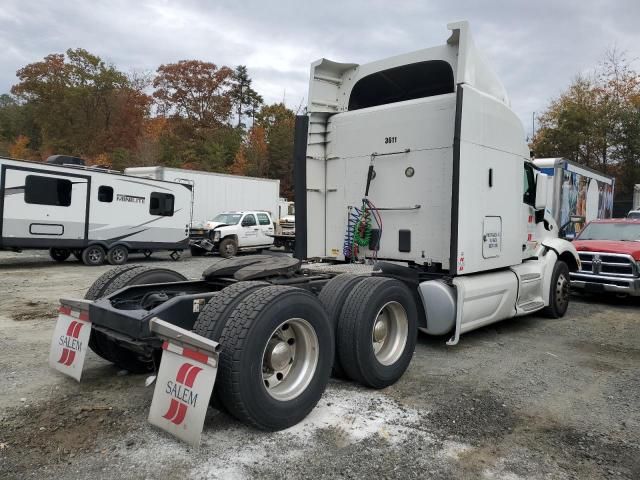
(636, 197)
(577, 191)
(214, 193)
(94, 213)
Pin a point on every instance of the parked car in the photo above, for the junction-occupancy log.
(231, 232)
(609, 253)
(635, 214)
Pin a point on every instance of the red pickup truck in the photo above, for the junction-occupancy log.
(609, 253)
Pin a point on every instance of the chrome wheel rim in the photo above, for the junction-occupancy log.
(289, 359)
(390, 333)
(562, 291)
(230, 249)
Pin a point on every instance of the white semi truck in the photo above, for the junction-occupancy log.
(412, 176)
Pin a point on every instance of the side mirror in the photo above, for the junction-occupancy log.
(542, 188)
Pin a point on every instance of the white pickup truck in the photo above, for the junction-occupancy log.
(231, 232)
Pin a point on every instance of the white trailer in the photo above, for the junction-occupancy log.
(636, 197)
(94, 213)
(577, 191)
(425, 146)
(215, 193)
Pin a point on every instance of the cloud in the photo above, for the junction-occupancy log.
(535, 47)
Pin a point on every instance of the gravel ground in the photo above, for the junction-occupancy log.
(526, 398)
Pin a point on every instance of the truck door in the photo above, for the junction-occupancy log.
(528, 211)
(46, 207)
(250, 233)
(266, 229)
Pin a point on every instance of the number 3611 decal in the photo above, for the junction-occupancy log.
(390, 139)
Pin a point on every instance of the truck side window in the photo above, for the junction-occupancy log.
(529, 185)
(161, 204)
(47, 191)
(248, 221)
(263, 218)
(105, 194)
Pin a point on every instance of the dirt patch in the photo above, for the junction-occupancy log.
(56, 431)
(34, 310)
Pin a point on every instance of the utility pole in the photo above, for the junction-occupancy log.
(533, 125)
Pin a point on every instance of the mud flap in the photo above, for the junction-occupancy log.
(70, 340)
(184, 383)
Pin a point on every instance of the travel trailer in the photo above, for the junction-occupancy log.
(97, 215)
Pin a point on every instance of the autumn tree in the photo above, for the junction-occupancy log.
(596, 122)
(80, 104)
(245, 99)
(278, 123)
(196, 90)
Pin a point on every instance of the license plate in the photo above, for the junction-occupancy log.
(594, 287)
(70, 342)
(182, 392)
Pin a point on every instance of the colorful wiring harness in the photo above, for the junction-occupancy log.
(359, 229)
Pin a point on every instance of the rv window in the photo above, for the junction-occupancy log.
(47, 191)
(407, 82)
(161, 204)
(105, 194)
(263, 218)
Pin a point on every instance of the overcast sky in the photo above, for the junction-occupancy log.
(537, 46)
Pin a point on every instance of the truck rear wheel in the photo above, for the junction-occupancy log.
(59, 254)
(106, 284)
(214, 315)
(276, 357)
(118, 255)
(559, 291)
(377, 331)
(228, 247)
(332, 297)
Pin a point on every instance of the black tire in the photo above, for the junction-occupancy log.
(97, 289)
(109, 282)
(245, 336)
(356, 327)
(59, 254)
(559, 291)
(332, 297)
(93, 255)
(197, 251)
(228, 247)
(118, 255)
(214, 315)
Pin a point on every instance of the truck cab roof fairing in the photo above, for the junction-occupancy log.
(333, 83)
